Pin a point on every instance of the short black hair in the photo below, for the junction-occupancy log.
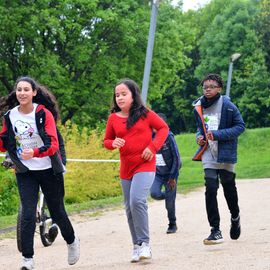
(214, 77)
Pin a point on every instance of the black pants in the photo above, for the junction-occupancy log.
(227, 180)
(53, 188)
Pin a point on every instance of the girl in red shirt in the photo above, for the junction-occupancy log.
(129, 129)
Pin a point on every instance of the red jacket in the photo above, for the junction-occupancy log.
(137, 138)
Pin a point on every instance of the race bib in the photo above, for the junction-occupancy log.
(160, 160)
(211, 122)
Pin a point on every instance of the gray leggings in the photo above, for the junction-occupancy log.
(135, 193)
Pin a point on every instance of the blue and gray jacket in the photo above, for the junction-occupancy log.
(230, 127)
(171, 156)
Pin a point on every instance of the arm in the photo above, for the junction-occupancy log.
(176, 164)
(3, 137)
(110, 140)
(237, 126)
(201, 133)
(162, 131)
(201, 130)
(49, 137)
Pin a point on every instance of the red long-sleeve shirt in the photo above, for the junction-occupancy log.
(137, 138)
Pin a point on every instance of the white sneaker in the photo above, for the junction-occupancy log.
(135, 254)
(28, 264)
(74, 251)
(145, 251)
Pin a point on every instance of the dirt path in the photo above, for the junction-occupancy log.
(106, 243)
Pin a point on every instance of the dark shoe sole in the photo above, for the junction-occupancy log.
(170, 232)
(172, 228)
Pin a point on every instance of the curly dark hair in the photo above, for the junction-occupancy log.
(137, 109)
(213, 77)
(44, 97)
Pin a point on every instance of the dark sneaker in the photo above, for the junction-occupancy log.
(172, 228)
(235, 230)
(214, 238)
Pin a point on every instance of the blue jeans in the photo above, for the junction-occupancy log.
(168, 195)
(53, 188)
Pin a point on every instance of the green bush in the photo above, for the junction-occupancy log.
(84, 180)
(8, 193)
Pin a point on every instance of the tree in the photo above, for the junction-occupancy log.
(234, 31)
(78, 48)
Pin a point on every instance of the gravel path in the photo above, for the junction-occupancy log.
(106, 242)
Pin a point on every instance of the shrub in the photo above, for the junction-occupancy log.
(89, 180)
(8, 193)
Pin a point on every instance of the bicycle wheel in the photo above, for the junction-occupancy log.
(19, 230)
(48, 231)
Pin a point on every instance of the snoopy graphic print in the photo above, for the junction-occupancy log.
(27, 136)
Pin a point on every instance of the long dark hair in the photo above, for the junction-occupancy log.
(43, 96)
(137, 109)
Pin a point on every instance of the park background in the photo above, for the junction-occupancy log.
(81, 48)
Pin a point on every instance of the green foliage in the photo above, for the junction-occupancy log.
(81, 48)
(8, 192)
(101, 179)
(232, 30)
(263, 28)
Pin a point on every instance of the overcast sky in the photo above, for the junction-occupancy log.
(193, 4)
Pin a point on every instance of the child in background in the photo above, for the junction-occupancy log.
(168, 164)
(129, 129)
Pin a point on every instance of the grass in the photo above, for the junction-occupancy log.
(253, 157)
(96, 186)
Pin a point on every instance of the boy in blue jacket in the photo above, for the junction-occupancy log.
(219, 124)
(168, 163)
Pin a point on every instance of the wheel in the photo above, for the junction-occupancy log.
(18, 229)
(48, 231)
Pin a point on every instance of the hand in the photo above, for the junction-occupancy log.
(8, 164)
(200, 140)
(27, 154)
(209, 135)
(147, 154)
(172, 184)
(118, 143)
